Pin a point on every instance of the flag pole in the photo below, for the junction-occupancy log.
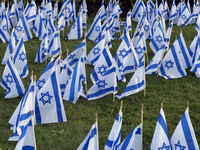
(97, 131)
(67, 59)
(188, 106)
(144, 77)
(115, 78)
(32, 120)
(34, 92)
(47, 41)
(86, 19)
(142, 106)
(85, 73)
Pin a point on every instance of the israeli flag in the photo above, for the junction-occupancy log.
(161, 138)
(96, 51)
(196, 68)
(11, 81)
(104, 62)
(188, 6)
(45, 75)
(168, 35)
(4, 29)
(107, 84)
(32, 15)
(42, 53)
(49, 106)
(14, 14)
(154, 64)
(114, 137)
(102, 11)
(74, 88)
(55, 11)
(184, 135)
(54, 45)
(27, 9)
(173, 12)
(149, 9)
(167, 12)
(27, 138)
(23, 109)
(73, 18)
(20, 59)
(194, 47)
(20, 7)
(137, 82)
(91, 141)
(65, 76)
(51, 28)
(176, 60)
(133, 140)
(185, 17)
(48, 9)
(2, 11)
(157, 40)
(161, 9)
(61, 24)
(9, 49)
(43, 4)
(138, 10)
(76, 31)
(22, 26)
(95, 29)
(197, 27)
(39, 28)
(195, 13)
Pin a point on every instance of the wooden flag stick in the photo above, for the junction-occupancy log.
(121, 104)
(33, 125)
(85, 73)
(144, 77)
(115, 78)
(97, 131)
(161, 105)
(142, 106)
(188, 106)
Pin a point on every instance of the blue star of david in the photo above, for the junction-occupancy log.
(71, 56)
(113, 29)
(19, 28)
(121, 67)
(40, 83)
(139, 50)
(101, 84)
(22, 56)
(9, 78)
(159, 38)
(123, 53)
(164, 147)
(5, 28)
(169, 64)
(179, 145)
(150, 11)
(184, 17)
(74, 26)
(69, 10)
(96, 50)
(46, 98)
(102, 69)
(146, 28)
(97, 28)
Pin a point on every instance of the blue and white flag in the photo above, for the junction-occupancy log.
(61, 23)
(179, 11)
(48, 9)
(184, 135)
(76, 31)
(188, 6)
(95, 29)
(20, 7)
(49, 106)
(14, 14)
(10, 48)
(176, 60)
(76, 54)
(91, 141)
(114, 137)
(161, 8)
(197, 27)
(138, 10)
(42, 53)
(84, 10)
(43, 4)
(2, 11)
(108, 10)
(160, 138)
(185, 17)
(137, 82)
(11, 81)
(154, 64)
(168, 35)
(195, 13)
(65, 76)
(96, 51)
(149, 9)
(167, 12)
(26, 9)
(54, 45)
(45, 75)
(194, 47)
(173, 12)
(104, 62)
(51, 28)
(73, 18)
(20, 59)
(4, 29)
(196, 68)
(27, 137)
(74, 88)
(32, 14)
(157, 40)
(55, 11)
(39, 28)
(133, 140)
(22, 26)
(102, 11)
(107, 84)
(20, 117)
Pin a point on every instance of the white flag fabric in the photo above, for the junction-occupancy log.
(4, 29)
(184, 135)
(167, 12)
(54, 44)
(74, 88)
(176, 60)
(91, 140)
(149, 9)
(32, 15)
(20, 7)
(114, 137)
(11, 81)
(137, 82)
(39, 28)
(173, 12)
(160, 138)
(49, 106)
(55, 11)
(168, 35)
(137, 10)
(14, 14)
(133, 140)
(195, 13)
(106, 84)
(185, 17)
(22, 26)
(60, 25)
(20, 59)
(194, 48)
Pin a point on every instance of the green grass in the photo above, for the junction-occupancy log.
(174, 95)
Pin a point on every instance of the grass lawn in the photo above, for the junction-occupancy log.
(174, 94)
